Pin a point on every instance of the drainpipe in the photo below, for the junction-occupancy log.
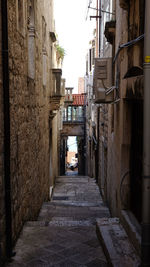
(6, 128)
(96, 45)
(145, 246)
(100, 14)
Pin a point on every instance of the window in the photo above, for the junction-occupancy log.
(69, 113)
(31, 40)
(80, 113)
(20, 13)
(44, 51)
(90, 59)
(20, 16)
(74, 114)
(31, 15)
(65, 114)
(43, 32)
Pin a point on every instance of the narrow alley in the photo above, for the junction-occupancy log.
(65, 232)
(74, 133)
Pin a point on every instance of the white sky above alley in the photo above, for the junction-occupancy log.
(74, 33)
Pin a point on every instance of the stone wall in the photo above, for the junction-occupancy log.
(129, 25)
(2, 189)
(73, 129)
(116, 120)
(103, 149)
(29, 109)
(55, 148)
(106, 52)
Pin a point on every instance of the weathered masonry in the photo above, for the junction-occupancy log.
(28, 63)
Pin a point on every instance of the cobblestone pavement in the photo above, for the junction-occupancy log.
(65, 233)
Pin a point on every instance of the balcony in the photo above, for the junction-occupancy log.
(73, 114)
(110, 29)
(58, 88)
(56, 80)
(78, 119)
(68, 95)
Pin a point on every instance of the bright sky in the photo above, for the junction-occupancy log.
(72, 143)
(74, 35)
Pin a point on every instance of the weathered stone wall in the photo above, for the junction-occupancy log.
(129, 25)
(29, 109)
(73, 129)
(2, 189)
(55, 148)
(106, 51)
(105, 47)
(115, 120)
(103, 149)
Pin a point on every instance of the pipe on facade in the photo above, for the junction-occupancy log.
(126, 45)
(100, 14)
(145, 246)
(6, 128)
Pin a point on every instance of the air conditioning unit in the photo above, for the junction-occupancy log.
(102, 82)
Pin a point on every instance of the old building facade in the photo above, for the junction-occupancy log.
(124, 178)
(30, 117)
(117, 115)
(35, 122)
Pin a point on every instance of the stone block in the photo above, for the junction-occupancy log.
(116, 244)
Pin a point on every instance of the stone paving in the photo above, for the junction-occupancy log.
(65, 233)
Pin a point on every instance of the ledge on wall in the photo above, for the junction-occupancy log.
(53, 36)
(110, 31)
(124, 4)
(133, 72)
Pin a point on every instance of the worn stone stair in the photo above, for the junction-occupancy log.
(65, 231)
(118, 249)
(75, 201)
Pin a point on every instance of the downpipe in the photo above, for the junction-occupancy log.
(100, 6)
(6, 108)
(145, 245)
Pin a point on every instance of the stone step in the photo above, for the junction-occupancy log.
(77, 203)
(133, 228)
(80, 198)
(118, 249)
(74, 217)
(61, 222)
(73, 179)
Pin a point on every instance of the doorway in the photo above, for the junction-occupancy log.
(136, 159)
(72, 156)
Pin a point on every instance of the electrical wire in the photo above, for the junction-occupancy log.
(130, 43)
(101, 10)
(90, 2)
(125, 45)
(72, 144)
